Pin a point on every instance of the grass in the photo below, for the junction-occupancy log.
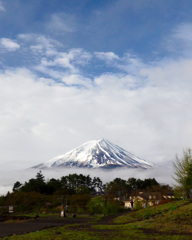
(150, 212)
(169, 221)
(56, 234)
(35, 214)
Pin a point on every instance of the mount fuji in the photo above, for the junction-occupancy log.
(96, 154)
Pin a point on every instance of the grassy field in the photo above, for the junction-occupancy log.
(169, 221)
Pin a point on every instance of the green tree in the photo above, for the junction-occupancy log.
(97, 184)
(35, 184)
(183, 171)
(40, 178)
(16, 186)
(78, 202)
(118, 188)
(53, 185)
(133, 183)
(188, 181)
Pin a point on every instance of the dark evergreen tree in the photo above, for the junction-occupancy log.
(16, 186)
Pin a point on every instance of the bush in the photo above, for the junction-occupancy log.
(96, 205)
(137, 204)
(112, 207)
(103, 206)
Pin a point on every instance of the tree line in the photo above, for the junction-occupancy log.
(71, 184)
(82, 193)
(79, 184)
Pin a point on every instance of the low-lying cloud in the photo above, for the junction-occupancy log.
(24, 175)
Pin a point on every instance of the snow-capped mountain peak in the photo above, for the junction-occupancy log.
(97, 154)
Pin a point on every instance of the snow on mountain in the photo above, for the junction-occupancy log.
(96, 154)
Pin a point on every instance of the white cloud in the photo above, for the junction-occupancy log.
(2, 8)
(180, 40)
(49, 55)
(183, 32)
(131, 64)
(40, 44)
(9, 44)
(70, 60)
(107, 56)
(60, 23)
(78, 80)
(128, 63)
(109, 80)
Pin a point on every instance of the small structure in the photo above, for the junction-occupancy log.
(146, 199)
(10, 209)
(63, 213)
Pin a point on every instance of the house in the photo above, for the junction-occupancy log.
(146, 199)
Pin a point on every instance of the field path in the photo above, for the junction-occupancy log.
(10, 228)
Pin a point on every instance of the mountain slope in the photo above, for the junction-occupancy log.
(96, 154)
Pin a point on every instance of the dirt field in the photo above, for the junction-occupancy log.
(10, 228)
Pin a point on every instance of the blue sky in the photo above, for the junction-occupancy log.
(74, 71)
(138, 27)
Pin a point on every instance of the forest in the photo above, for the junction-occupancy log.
(81, 193)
